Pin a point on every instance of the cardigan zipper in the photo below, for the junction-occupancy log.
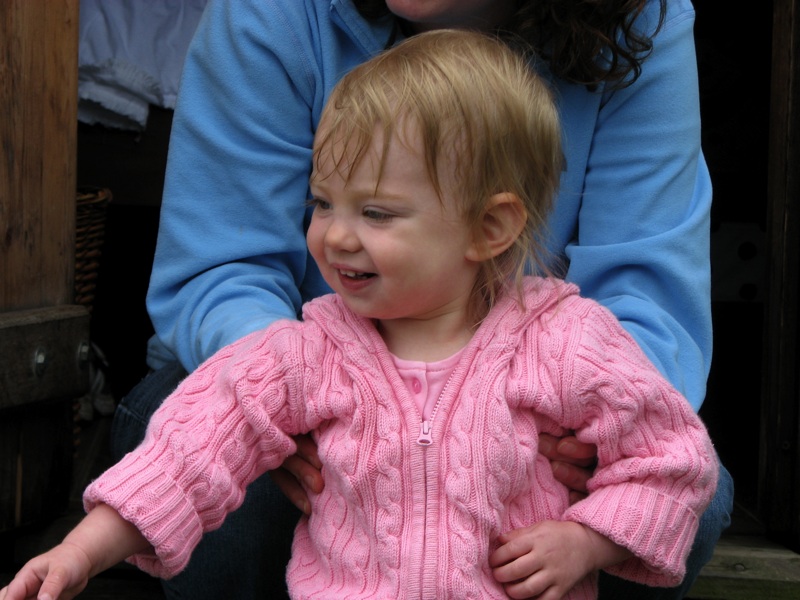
(425, 437)
(426, 427)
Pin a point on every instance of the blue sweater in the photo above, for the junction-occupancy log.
(631, 220)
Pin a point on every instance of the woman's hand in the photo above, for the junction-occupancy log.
(572, 462)
(300, 473)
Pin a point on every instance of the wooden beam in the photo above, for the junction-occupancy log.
(45, 355)
(779, 456)
(748, 568)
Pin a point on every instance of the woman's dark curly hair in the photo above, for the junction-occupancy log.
(584, 41)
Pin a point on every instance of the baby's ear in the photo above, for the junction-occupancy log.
(502, 223)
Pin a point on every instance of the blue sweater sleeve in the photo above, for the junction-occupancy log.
(231, 255)
(637, 239)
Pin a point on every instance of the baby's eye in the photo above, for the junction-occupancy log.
(318, 203)
(377, 215)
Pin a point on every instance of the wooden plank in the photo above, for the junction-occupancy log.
(38, 133)
(749, 568)
(12, 218)
(44, 353)
(59, 155)
(779, 456)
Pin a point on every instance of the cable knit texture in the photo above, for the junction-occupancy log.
(402, 520)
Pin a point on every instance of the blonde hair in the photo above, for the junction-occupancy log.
(474, 100)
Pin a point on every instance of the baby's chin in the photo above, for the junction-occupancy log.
(367, 312)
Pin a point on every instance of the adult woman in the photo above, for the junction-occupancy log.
(631, 221)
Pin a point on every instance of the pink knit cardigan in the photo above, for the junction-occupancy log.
(404, 519)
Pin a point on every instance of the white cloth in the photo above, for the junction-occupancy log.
(131, 55)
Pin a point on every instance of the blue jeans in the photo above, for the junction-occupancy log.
(246, 558)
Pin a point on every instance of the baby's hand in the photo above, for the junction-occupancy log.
(546, 560)
(99, 541)
(60, 574)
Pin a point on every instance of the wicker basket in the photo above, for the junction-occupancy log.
(89, 235)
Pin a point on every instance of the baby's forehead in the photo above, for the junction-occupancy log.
(345, 143)
(338, 124)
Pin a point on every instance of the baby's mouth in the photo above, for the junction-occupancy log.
(355, 274)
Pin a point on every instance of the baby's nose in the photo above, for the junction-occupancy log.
(342, 236)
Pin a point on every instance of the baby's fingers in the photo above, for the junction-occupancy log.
(24, 586)
(58, 585)
(513, 561)
(513, 545)
(516, 569)
(521, 582)
(33, 583)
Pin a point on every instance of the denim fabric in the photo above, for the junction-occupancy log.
(246, 558)
(134, 410)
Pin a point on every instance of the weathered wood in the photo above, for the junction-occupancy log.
(749, 568)
(779, 484)
(44, 353)
(38, 136)
(41, 348)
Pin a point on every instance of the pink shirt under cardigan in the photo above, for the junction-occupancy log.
(425, 381)
(402, 520)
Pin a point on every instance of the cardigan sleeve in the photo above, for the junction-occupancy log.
(227, 423)
(657, 469)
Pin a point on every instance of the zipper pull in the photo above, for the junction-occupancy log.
(425, 438)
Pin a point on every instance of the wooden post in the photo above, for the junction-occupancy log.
(43, 338)
(38, 159)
